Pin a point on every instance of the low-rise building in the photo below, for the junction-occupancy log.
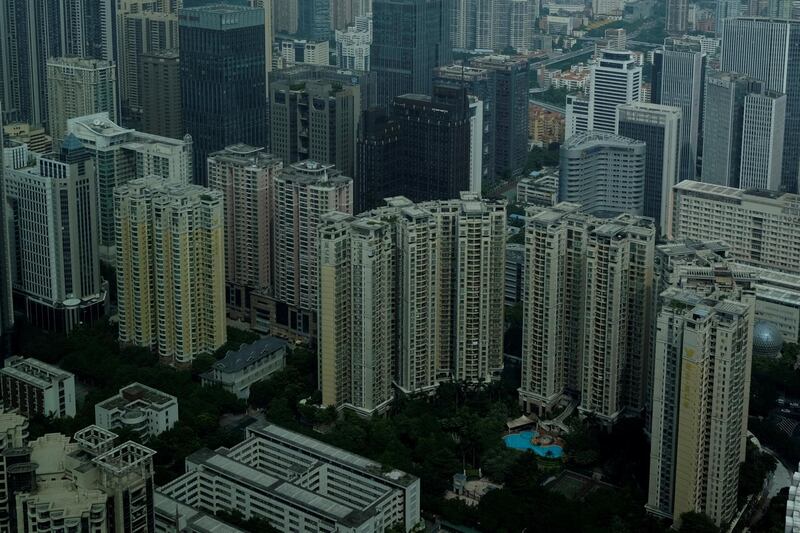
(540, 190)
(251, 363)
(297, 483)
(139, 408)
(36, 388)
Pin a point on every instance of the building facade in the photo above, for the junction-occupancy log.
(170, 257)
(244, 175)
(616, 80)
(145, 411)
(377, 156)
(251, 363)
(161, 94)
(352, 45)
(603, 172)
(36, 388)
(762, 141)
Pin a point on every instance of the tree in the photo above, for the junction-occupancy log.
(697, 523)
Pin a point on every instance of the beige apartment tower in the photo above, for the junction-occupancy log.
(170, 268)
(244, 175)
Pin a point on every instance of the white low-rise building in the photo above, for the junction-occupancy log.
(36, 388)
(251, 363)
(142, 409)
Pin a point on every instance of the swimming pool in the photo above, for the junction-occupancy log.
(522, 441)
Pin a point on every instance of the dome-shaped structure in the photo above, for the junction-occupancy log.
(767, 339)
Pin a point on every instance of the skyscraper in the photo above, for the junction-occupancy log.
(510, 112)
(161, 94)
(583, 275)
(54, 248)
(315, 119)
(314, 20)
(244, 175)
(6, 307)
(301, 194)
(411, 293)
(762, 141)
(409, 39)
(678, 80)
(677, 16)
(604, 173)
(521, 20)
(122, 154)
(703, 324)
(434, 146)
(143, 27)
(78, 87)
(377, 156)
(170, 268)
(658, 126)
(744, 43)
(726, 9)
(616, 80)
(223, 79)
(723, 126)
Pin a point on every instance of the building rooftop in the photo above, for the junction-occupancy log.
(247, 354)
(135, 394)
(33, 371)
(593, 138)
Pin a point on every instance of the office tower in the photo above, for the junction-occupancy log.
(521, 21)
(577, 120)
(583, 276)
(761, 227)
(779, 9)
(285, 13)
(314, 20)
(475, 145)
(658, 126)
(143, 28)
(510, 114)
(616, 80)
(434, 146)
(89, 483)
(678, 79)
(677, 16)
(723, 125)
(463, 24)
(417, 288)
(480, 83)
(604, 173)
(161, 94)
(377, 155)
(223, 79)
(53, 230)
(410, 38)
(302, 73)
(244, 175)
(6, 306)
(352, 45)
(301, 194)
(383, 500)
(78, 87)
(170, 268)
(702, 360)
(34, 388)
(726, 9)
(315, 119)
(762, 141)
(122, 154)
(744, 42)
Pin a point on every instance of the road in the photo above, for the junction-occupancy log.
(548, 106)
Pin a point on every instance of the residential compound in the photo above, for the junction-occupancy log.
(297, 483)
(584, 276)
(36, 388)
(88, 483)
(122, 154)
(145, 411)
(761, 227)
(411, 294)
(170, 270)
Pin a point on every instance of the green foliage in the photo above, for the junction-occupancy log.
(773, 378)
(542, 157)
(773, 519)
(697, 523)
(552, 96)
(236, 337)
(752, 473)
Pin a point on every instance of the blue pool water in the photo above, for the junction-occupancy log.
(522, 441)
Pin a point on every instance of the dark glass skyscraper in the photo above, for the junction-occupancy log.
(376, 160)
(409, 39)
(314, 20)
(223, 79)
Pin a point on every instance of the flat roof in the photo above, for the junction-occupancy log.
(135, 393)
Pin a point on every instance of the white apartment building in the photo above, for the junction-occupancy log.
(144, 410)
(352, 45)
(583, 276)
(36, 388)
(244, 175)
(251, 363)
(122, 154)
(13, 436)
(298, 484)
(761, 227)
(170, 268)
(294, 52)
